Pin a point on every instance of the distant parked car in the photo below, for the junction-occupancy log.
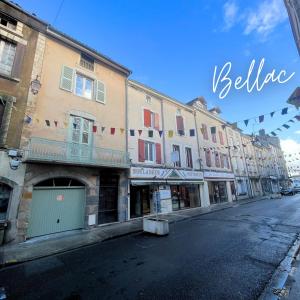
(287, 191)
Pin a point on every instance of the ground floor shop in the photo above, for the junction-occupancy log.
(255, 186)
(243, 189)
(270, 185)
(165, 190)
(220, 186)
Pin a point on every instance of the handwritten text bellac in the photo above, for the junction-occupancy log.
(223, 79)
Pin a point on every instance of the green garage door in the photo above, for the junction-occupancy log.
(56, 210)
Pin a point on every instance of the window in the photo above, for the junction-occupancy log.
(180, 125)
(208, 158)
(222, 160)
(221, 138)
(8, 22)
(84, 86)
(213, 134)
(151, 119)
(204, 131)
(188, 157)
(149, 151)
(148, 99)
(176, 154)
(217, 160)
(2, 109)
(5, 192)
(87, 62)
(7, 57)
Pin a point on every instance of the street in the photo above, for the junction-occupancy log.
(229, 254)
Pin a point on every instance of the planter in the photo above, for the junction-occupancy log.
(156, 226)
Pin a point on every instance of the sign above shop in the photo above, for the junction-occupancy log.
(158, 173)
(214, 174)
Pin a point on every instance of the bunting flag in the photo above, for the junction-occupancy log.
(294, 99)
(192, 132)
(170, 133)
(279, 129)
(55, 123)
(122, 130)
(112, 131)
(273, 133)
(272, 114)
(150, 133)
(131, 132)
(223, 126)
(28, 119)
(286, 126)
(47, 123)
(140, 132)
(181, 132)
(213, 130)
(94, 128)
(292, 121)
(297, 118)
(261, 118)
(160, 132)
(246, 122)
(102, 129)
(284, 111)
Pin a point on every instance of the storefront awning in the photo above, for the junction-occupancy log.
(170, 182)
(147, 182)
(184, 182)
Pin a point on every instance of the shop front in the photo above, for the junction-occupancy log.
(165, 189)
(221, 186)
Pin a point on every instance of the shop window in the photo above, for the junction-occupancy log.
(5, 192)
(176, 153)
(7, 57)
(208, 158)
(204, 132)
(188, 157)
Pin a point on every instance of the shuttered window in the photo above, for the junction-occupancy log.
(221, 138)
(100, 91)
(176, 152)
(217, 159)
(188, 157)
(180, 125)
(222, 160)
(208, 158)
(158, 153)
(7, 57)
(141, 149)
(147, 118)
(66, 81)
(204, 132)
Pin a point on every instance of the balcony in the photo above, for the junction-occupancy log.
(49, 151)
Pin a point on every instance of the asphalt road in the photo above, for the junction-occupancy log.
(230, 254)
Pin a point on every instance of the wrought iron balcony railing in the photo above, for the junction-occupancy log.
(44, 150)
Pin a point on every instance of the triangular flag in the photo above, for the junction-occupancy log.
(286, 126)
(160, 133)
(297, 118)
(140, 131)
(284, 111)
(102, 129)
(279, 129)
(170, 133)
(74, 125)
(213, 130)
(150, 133)
(246, 122)
(55, 123)
(112, 131)
(122, 130)
(273, 133)
(292, 121)
(28, 119)
(192, 132)
(223, 126)
(65, 124)
(261, 118)
(47, 122)
(272, 114)
(94, 128)
(131, 132)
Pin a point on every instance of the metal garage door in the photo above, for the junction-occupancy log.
(56, 209)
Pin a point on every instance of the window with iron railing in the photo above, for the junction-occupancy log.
(87, 62)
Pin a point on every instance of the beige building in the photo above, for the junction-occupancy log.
(164, 153)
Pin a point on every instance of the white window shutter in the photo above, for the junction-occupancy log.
(100, 91)
(67, 78)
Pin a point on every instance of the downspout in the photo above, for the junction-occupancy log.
(249, 181)
(198, 143)
(126, 147)
(163, 129)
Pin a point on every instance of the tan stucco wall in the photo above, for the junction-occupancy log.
(55, 104)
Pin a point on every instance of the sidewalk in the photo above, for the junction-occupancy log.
(62, 242)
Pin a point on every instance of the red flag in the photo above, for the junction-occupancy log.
(94, 128)
(112, 131)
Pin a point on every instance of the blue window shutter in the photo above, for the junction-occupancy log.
(100, 93)
(67, 79)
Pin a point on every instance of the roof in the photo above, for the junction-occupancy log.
(48, 29)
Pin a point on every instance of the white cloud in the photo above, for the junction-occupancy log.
(230, 9)
(290, 146)
(269, 14)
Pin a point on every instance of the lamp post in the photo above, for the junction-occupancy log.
(35, 85)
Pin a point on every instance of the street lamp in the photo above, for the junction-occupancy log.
(35, 85)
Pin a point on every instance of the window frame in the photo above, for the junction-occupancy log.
(146, 143)
(189, 159)
(84, 85)
(4, 42)
(178, 163)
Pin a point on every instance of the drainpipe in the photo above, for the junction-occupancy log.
(163, 129)
(197, 136)
(126, 147)
(249, 181)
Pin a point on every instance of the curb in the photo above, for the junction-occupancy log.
(112, 237)
(279, 279)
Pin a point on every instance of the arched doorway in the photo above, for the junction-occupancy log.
(5, 192)
(57, 205)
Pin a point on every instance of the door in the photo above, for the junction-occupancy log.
(80, 138)
(56, 210)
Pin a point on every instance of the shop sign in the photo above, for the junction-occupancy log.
(213, 174)
(157, 173)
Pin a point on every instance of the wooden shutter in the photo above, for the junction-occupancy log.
(147, 118)
(156, 121)
(217, 159)
(221, 138)
(179, 123)
(204, 132)
(67, 78)
(158, 153)
(18, 62)
(141, 147)
(222, 160)
(208, 158)
(100, 91)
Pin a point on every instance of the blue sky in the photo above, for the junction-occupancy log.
(173, 46)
